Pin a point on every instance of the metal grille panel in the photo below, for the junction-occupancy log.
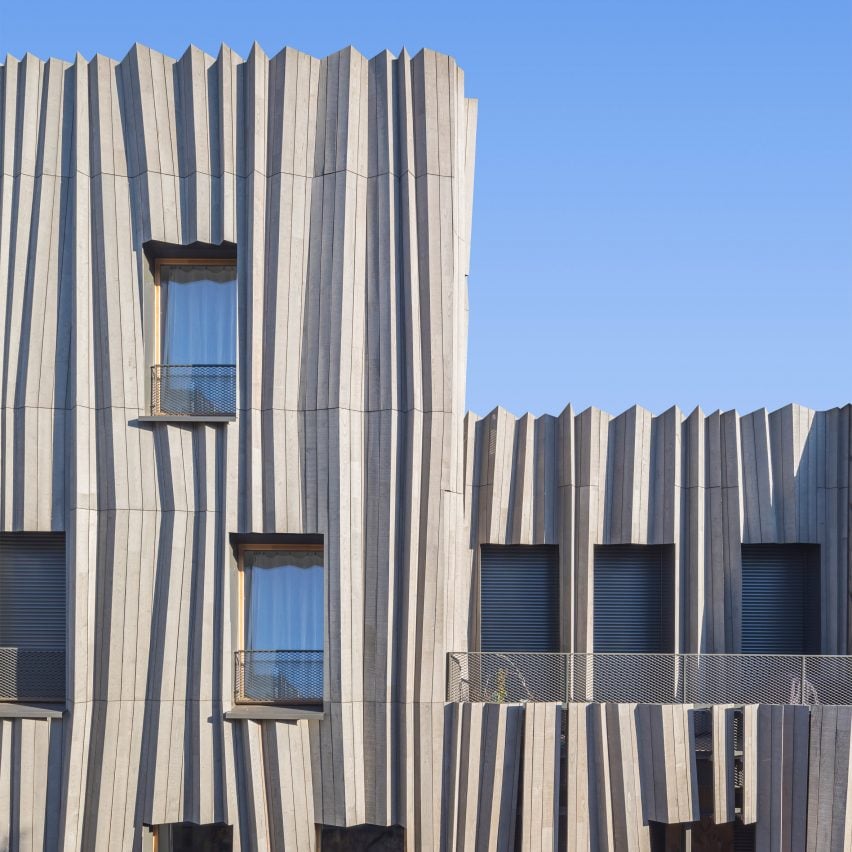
(828, 680)
(625, 677)
(650, 678)
(194, 390)
(32, 674)
(496, 677)
(741, 678)
(278, 677)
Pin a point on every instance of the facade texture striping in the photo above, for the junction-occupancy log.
(346, 185)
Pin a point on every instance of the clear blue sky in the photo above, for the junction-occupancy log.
(663, 208)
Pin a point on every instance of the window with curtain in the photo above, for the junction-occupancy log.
(283, 624)
(195, 373)
(198, 313)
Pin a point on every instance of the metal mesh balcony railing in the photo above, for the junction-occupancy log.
(653, 678)
(194, 390)
(278, 677)
(32, 674)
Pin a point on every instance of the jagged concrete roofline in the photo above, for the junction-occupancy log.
(255, 52)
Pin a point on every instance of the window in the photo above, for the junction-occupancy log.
(780, 613)
(634, 598)
(666, 838)
(195, 346)
(190, 837)
(633, 614)
(282, 624)
(519, 613)
(519, 598)
(32, 617)
(361, 838)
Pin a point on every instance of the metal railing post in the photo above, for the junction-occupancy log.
(802, 699)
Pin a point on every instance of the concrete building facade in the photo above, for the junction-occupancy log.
(333, 197)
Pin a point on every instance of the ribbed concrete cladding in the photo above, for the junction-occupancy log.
(346, 184)
(705, 484)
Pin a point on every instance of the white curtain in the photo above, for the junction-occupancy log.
(199, 314)
(284, 600)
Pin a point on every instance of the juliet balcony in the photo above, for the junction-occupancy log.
(278, 677)
(497, 677)
(194, 390)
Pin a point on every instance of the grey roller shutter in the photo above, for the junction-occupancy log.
(780, 604)
(634, 599)
(519, 598)
(32, 616)
(32, 590)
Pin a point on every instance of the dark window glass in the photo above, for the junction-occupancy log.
(189, 837)
(363, 838)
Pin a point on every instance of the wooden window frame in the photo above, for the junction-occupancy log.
(159, 263)
(260, 547)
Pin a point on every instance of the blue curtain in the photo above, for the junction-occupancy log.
(284, 600)
(199, 314)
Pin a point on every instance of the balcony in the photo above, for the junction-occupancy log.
(278, 677)
(32, 674)
(194, 390)
(496, 677)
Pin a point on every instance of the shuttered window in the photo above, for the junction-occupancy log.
(634, 599)
(362, 838)
(190, 837)
(32, 616)
(780, 605)
(519, 598)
